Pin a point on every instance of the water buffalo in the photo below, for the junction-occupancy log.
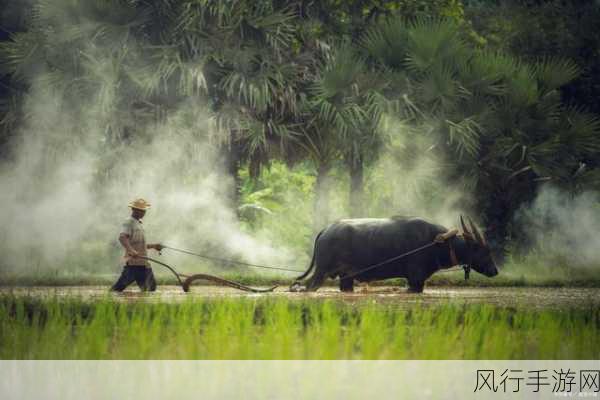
(345, 248)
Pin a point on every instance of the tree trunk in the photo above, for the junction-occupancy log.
(357, 189)
(499, 217)
(321, 205)
(232, 155)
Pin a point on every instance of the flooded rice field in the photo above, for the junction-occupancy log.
(531, 297)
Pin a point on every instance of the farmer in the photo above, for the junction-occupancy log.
(132, 239)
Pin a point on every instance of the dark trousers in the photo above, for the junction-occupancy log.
(141, 274)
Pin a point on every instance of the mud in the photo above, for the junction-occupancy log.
(530, 297)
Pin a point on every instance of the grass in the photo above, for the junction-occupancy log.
(278, 328)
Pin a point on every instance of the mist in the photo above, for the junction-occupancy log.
(65, 190)
(563, 228)
(410, 179)
(78, 160)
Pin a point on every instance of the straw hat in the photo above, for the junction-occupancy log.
(140, 204)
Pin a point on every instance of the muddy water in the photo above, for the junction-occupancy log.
(530, 297)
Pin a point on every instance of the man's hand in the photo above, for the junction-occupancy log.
(156, 246)
(132, 253)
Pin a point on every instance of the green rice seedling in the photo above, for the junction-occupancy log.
(280, 328)
(374, 332)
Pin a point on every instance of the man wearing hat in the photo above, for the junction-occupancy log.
(132, 239)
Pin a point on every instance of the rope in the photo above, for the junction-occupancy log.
(186, 284)
(389, 260)
(436, 241)
(439, 239)
(229, 261)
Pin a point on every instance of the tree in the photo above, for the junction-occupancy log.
(142, 60)
(499, 121)
(252, 75)
(346, 97)
(539, 29)
(347, 94)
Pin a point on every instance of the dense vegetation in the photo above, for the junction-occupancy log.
(499, 96)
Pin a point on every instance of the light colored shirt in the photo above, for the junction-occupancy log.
(134, 230)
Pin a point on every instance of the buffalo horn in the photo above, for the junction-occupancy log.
(476, 232)
(464, 227)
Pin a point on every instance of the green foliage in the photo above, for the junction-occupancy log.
(284, 329)
(502, 116)
(345, 98)
(317, 82)
(536, 30)
(278, 206)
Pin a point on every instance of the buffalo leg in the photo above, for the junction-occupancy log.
(347, 284)
(315, 281)
(415, 286)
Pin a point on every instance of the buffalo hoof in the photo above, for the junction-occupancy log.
(297, 287)
(414, 290)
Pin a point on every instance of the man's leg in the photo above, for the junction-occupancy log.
(145, 279)
(150, 281)
(124, 280)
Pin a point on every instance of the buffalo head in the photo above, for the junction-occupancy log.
(478, 252)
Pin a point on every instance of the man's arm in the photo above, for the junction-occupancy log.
(155, 246)
(124, 240)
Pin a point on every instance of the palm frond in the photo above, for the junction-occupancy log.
(277, 26)
(552, 73)
(21, 53)
(433, 42)
(465, 135)
(438, 89)
(582, 132)
(522, 87)
(387, 43)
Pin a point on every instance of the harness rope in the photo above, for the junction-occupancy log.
(230, 261)
(379, 264)
(190, 278)
(441, 238)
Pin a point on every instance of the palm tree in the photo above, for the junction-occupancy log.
(88, 57)
(318, 144)
(347, 98)
(500, 123)
(251, 73)
(142, 60)
(534, 138)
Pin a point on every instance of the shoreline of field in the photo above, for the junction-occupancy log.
(258, 280)
(502, 297)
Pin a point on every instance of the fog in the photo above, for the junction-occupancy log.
(563, 227)
(65, 192)
(411, 178)
(77, 161)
